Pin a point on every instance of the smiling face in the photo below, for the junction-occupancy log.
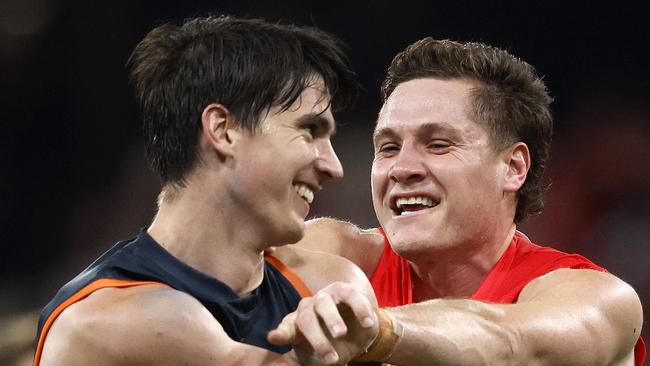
(283, 164)
(436, 181)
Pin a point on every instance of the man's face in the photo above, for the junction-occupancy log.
(284, 164)
(435, 178)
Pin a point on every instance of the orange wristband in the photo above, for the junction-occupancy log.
(385, 342)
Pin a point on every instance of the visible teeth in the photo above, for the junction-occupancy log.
(413, 201)
(304, 192)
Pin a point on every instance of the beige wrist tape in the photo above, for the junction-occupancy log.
(390, 332)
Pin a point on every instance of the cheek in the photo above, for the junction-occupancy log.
(300, 150)
(289, 153)
(479, 192)
(488, 177)
(377, 187)
(377, 178)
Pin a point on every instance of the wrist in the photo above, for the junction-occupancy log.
(390, 333)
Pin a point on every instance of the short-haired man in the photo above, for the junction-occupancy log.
(237, 120)
(461, 144)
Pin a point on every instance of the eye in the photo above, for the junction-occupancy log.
(309, 129)
(388, 148)
(314, 129)
(439, 146)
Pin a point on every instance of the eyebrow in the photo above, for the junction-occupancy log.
(424, 129)
(318, 119)
(383, 132)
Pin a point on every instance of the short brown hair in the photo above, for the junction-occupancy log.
(511, 101)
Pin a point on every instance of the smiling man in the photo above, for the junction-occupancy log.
(237, 120)
(461, 144)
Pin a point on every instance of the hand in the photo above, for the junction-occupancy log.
(332, 327)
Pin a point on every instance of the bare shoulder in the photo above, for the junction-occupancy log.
(141, 325)
(319, 269)
(607, 303)
(135, 325)
(581, 284)
(342, 238)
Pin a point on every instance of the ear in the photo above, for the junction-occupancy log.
(517, 158)
(219, 129)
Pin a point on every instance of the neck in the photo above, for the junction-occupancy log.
(209, 237)
(457, 274)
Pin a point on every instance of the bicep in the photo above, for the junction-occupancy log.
(320, 269)
(159, 327)
(327, 235)
(199, 341)
(583, 314)
(362, 247)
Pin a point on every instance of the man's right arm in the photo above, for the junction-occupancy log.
(146, 325)
(568, 317)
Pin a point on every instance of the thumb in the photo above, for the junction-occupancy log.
(285, 332)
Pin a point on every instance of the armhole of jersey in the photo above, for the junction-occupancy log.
(640, 352)
(290, 275)
(384, 254)
(80, 295)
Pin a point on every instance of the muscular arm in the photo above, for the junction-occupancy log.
(317, 330)
(146, 325)
(320, 269)
(568, 317)
(362, 247)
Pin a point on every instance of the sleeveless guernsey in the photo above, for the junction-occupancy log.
(521, 263)
(142, 261)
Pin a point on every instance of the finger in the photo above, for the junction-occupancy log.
(361, 307)
(309, 325)
(285, 332)
(326, 308)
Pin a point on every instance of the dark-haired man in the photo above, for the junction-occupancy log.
(237, 120)
(461, 144)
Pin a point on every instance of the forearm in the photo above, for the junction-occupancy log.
(467, 332)
(453, 332)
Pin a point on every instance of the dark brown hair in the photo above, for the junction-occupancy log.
(247, 65)
(511, 101)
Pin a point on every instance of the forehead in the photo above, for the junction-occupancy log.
(314, 99)
(426, 101)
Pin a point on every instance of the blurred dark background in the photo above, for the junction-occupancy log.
(73, 178)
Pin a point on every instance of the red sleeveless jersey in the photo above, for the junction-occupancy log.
(521, 263)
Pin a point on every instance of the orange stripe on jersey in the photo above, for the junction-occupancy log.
(290, 275)
(80, 295)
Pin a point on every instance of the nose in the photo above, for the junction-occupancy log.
(327, 162)
(407, 166)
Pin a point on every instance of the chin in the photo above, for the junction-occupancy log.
(292, 234)
(405, 244)
(294, 238)
(413, 244)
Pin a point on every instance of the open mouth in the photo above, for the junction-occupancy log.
(304, 192)
(406, 205)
